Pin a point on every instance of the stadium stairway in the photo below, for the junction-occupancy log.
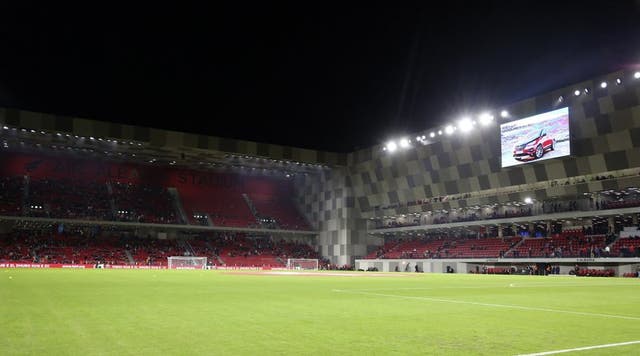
(112, 202)
(177, 203)
(129, 257)
(25, 194)
(514, 248)
(187, 247)
(613, 243)
(250, 204)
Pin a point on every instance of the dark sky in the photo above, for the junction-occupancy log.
(323, 75)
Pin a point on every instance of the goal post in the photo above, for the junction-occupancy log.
(302, 264)
(186, 262)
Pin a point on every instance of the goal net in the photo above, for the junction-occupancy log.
(186, 262)
(302, 263)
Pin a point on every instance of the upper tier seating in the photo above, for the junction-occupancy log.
(11, 194)
(282, 209)
(224, 207)
(143, 203)
(72, 199)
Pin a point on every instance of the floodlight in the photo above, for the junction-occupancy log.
(636, 75)
(603, 85)
(618, 81)
(576, 93)
(485, 119)
(449, 129)
(405, 143)
(439, 132)
(504, 114)
(465, 124)
(528, 200)
(391, 146)
(432, 135)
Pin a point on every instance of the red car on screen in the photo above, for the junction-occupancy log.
(536, 147)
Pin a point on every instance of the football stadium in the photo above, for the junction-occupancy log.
(510, 231)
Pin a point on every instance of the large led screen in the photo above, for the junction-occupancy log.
(535, 138)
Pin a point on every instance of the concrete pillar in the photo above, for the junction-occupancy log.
(611, 222)
(499, 230)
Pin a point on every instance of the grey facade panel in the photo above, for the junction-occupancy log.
(483, 181)
(541, 173)
(516, 176)
(451, 187)
(464, 170)
(591, 108)
(570, 167)
(625, 100)
(616, 160)
(603, 124)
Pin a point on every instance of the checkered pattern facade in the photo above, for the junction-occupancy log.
(605, 130)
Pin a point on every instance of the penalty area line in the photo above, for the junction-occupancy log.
(582, 348)
(507, 306)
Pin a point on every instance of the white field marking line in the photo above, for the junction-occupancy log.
(440, 300)
(583, 348)
(526, 285)
(512, 285)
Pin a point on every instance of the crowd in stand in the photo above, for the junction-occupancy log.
(140, 203)
(89, 200)
(570, 243)
(11, 192)
(70, 199)
(125, 248)
(278, 213)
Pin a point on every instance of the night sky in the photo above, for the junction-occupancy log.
(322, 75)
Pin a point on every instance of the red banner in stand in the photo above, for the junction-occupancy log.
(91, 266)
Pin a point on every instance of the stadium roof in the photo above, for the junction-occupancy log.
(330, 77)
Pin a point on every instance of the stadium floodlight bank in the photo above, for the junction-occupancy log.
(186, 262)
(302, 264)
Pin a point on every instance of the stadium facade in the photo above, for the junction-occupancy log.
(355, 201)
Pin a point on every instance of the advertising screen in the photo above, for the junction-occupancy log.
(535, 138)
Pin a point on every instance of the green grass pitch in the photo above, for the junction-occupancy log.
(173, 312)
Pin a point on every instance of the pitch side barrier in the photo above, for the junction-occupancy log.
(107, 266)
(477, 265)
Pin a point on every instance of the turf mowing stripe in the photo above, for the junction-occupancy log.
(582, 348)
(613, 316)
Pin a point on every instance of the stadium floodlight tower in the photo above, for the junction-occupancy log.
(186, 262)
(302, 264)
